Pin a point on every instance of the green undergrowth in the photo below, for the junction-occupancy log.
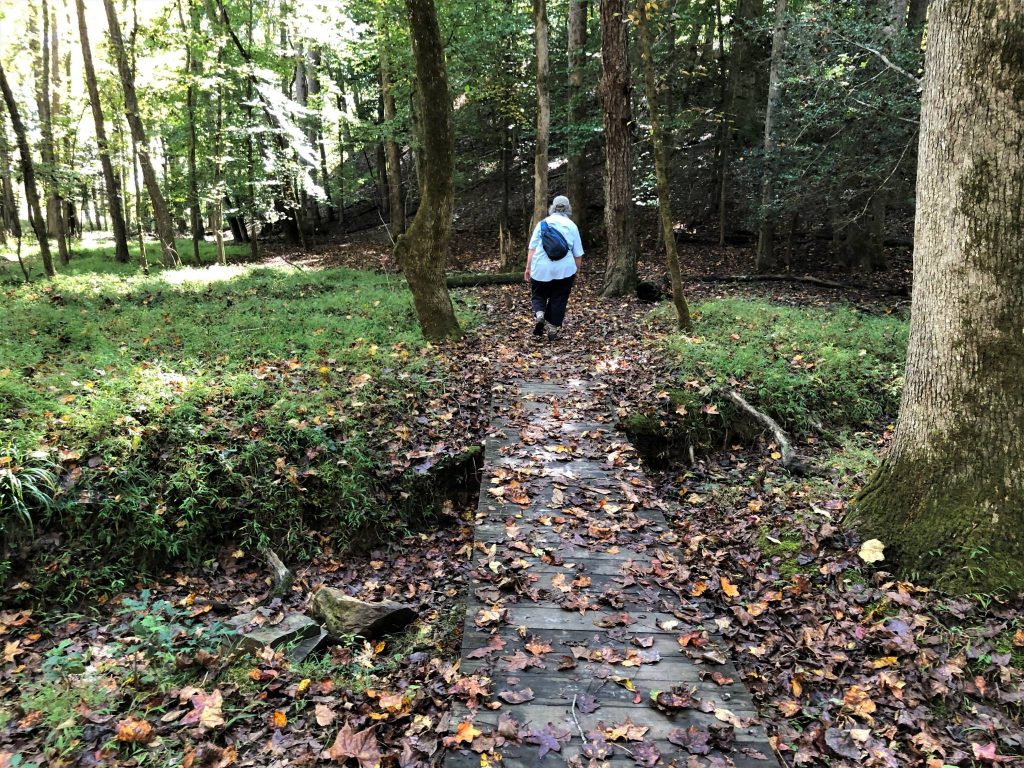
(95, 253)
(190, 407)
(810, 368)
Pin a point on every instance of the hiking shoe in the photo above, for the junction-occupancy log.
(538, 327)
(552, 333)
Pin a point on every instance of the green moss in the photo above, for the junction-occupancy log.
(939, 520)
(784, 547)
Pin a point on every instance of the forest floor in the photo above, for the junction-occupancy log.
(848, 665)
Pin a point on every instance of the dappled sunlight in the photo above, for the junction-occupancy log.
(202, 276)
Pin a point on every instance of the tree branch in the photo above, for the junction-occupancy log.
(885, 59)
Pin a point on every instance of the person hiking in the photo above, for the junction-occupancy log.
(554, 258)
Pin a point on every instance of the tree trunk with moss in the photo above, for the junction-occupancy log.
(28, 175)
(162, 217)
(948, 499)
(620, 268)
(423, 250)
(540, 154)
(661, 168)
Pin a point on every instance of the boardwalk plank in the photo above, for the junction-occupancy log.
(516, 595)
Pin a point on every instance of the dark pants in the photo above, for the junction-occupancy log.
(550, 297)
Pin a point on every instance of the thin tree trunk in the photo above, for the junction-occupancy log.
(254, 246)
(110, 180)
(194, 70)
(512, 259)
(143, 256)
(725, 135)
(575, 172)
(9, 221)
(540, 155)
(393, 155)
(766, 235)
(948, 499)
(28, 175)
(620, 270)
(48, 102)
(218, 180)
(161, 216)
(661, 168)
(317, 133)
(423, 250)
(916, 19)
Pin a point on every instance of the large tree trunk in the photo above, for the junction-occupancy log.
(620, 269)
(162, 217)
(575, 183)
(766, 236)
(540, 154)
(423, 250)
(661, 168)
(392, 153)
(110, 181)
(28, 175)
(948, 499)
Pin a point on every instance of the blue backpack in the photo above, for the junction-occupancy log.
(554, 244)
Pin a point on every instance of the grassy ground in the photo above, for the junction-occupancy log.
(95, 252)
(191, 406)
(807, 367)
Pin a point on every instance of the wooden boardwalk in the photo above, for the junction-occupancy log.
(577, 634)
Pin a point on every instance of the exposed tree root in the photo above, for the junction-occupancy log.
(782, 440)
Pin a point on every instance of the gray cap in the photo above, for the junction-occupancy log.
(561, 205)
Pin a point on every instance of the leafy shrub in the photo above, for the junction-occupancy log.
(27, 485)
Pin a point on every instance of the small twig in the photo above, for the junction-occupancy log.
(576, 720)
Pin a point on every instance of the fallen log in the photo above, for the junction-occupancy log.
(774, 278)
(474, 279)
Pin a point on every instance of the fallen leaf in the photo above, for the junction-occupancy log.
(134, 730)
(872, 551)
(358, 745)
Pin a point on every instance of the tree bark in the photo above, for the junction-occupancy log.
(620, 269)
(948, 499)
(392, 153)
(48, 150)
(194, 70)
(540, 154)
(28, 175)
(423, 250)
(575, 182)
(9, 221)
(164, 226)
(110, 180)
(766, 235)
(661, 168)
